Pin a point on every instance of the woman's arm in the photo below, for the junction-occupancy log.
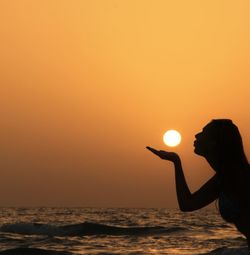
(188, 201)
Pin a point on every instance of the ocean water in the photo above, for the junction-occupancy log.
(117, 231)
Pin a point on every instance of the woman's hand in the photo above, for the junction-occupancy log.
(171, 156)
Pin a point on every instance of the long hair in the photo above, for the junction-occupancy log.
(229, 145)
(231, 156)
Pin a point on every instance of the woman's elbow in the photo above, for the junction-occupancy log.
(187, 208)
(184, 209)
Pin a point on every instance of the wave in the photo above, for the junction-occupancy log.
(33, 251)
(82, 229)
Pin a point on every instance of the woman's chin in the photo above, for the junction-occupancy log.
(197, 152)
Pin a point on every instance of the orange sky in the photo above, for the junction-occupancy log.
(87, 84)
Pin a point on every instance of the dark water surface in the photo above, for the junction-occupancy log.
(116, 231)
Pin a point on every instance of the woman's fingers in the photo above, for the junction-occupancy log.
(156, 152)
(172, 156)
(153, 150)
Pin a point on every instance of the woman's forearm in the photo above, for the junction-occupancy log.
(182, 190)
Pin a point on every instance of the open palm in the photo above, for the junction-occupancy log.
(171, 156)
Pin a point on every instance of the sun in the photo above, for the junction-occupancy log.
(172, 138)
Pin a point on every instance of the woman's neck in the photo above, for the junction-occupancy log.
(213, 162)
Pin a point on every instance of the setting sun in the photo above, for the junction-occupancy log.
(172, 138)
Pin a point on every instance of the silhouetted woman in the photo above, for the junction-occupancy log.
(221, 145)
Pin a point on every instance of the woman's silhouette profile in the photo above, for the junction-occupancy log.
(221, 145)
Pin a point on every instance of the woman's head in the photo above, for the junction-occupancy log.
(221, 139)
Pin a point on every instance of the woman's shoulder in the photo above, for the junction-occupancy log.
(241, 174)
(244, 174)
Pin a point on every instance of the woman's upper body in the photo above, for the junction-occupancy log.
(221, 145)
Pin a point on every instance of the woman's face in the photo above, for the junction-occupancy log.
(205, 142)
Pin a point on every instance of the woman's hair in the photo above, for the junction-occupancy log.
(229, 150)
(229, 144)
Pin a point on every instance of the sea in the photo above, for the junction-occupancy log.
(130, 231)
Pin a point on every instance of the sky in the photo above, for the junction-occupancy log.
(86, 85)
